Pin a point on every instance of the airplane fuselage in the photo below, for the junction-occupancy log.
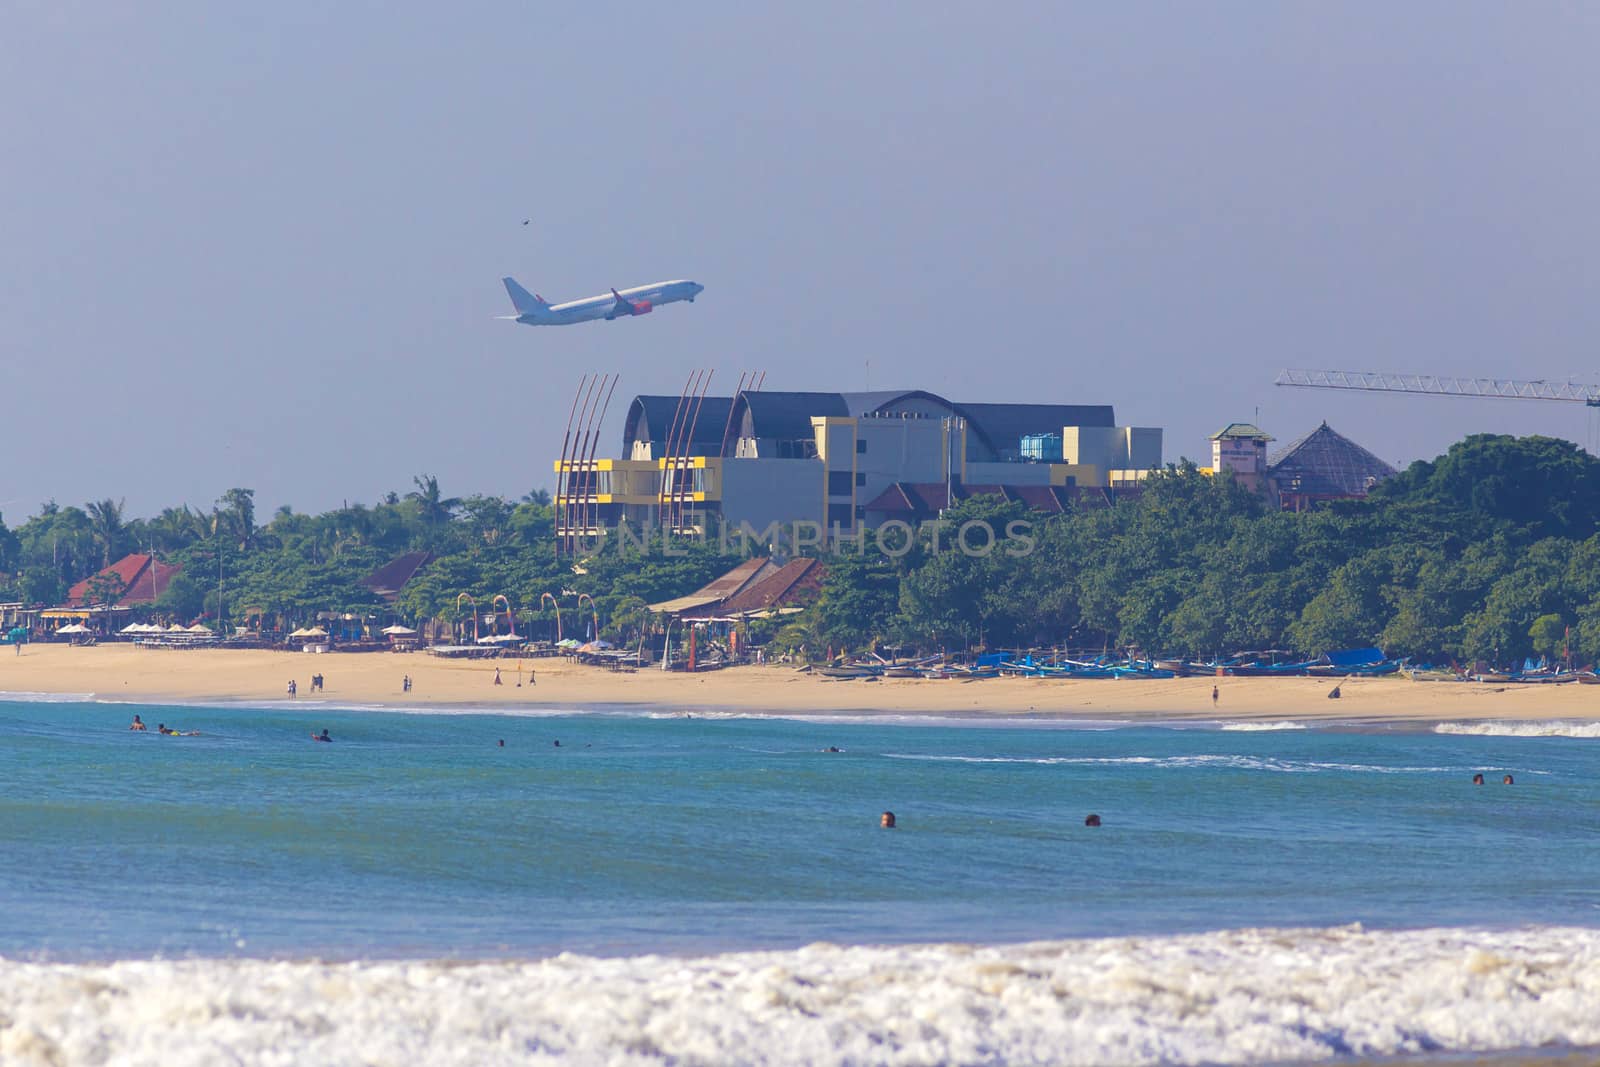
(617, 304)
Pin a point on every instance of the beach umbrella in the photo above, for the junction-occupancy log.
(73, 628)
(132, 628)
(199, 628)
(399, 631)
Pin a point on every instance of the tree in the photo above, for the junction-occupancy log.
(10, 552)
(1548, 634)
(105, 521)
(433, 508)
(237, 514)
(856, 607)
(1545, 485)
(182, 598)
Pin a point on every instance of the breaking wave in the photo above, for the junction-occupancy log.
(1548, 728)
(1230, 762)
(1237, 997)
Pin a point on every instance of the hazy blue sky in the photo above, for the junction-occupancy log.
(262, 246)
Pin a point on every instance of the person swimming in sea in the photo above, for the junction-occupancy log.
(1506, 780)
(1477, 779)
(322, 736)
(1092, 820)
(137, 724)
(886, 820)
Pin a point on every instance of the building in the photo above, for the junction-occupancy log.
(389, 580)
(1324, 465)
(1241, 448)
(759, 458)
(135, 581)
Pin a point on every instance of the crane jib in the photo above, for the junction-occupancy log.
(1437, 385)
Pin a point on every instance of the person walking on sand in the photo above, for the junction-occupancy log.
(497, 680)
(1213, 696)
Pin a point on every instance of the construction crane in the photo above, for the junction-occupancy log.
(1434, 385)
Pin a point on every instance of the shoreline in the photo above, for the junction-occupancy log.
(121, 673)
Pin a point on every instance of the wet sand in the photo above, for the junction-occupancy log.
(123, 672)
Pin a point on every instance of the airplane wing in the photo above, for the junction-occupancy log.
(624, 307)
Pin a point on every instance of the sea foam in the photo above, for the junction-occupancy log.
(1548, 728)
(1247, 996)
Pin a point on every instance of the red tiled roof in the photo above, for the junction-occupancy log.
(736, 580)
(795, 584)
(142, 579)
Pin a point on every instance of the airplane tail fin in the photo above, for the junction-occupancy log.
(525, 302)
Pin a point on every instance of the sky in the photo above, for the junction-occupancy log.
(262, 246)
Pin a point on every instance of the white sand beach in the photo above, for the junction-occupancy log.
(123, 672)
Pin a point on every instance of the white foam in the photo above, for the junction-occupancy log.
(1251, 727)
(1548, 728)
(1248, 996)
(1224, 760)
(46, 698)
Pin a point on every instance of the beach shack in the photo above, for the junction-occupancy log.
(109, 598)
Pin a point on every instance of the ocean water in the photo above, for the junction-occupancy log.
(671, 888)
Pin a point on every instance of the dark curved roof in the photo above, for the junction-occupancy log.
(651, 417)
(1003, 426)
(891, 400)
(786, 415)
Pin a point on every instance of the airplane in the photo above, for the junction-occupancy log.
(534, 310)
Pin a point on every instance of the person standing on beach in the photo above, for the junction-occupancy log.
(291, 687)
(497, 680)
(1213, 696)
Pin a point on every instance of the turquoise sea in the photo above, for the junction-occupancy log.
(415, 836)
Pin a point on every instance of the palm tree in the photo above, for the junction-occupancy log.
(238, 516)
(539, 498)
(105, 525)
(433, 508)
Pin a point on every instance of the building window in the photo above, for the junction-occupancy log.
(839, 515)
(838, 483)
(861, 511)
(861, 478)
(861, 447)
